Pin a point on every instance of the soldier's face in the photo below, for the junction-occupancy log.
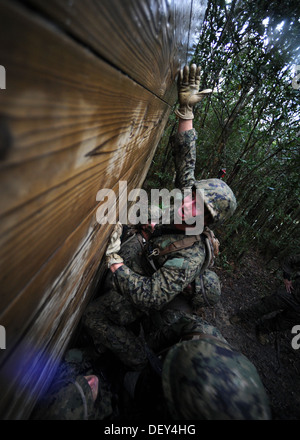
(93, 382)
(191, 207)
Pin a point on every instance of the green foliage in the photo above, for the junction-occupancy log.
(250, 126)
(162, 171)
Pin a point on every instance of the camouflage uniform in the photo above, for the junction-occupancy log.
(112, 319)
(218, 197)
(201, 378)
(206, 379)
(184, 154)
(176, 271)
(131, 292)
(171, 326)
(180, 269)
(70, 396)
(287, 305)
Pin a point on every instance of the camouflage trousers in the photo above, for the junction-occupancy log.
(171, 326)
(122, 340)
(159, 330)
(114, 324)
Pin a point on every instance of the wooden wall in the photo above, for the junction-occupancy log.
(89, 87)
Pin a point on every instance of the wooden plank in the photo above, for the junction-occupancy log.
(45, 319)
(162, 31)
(50, 327)
(51, 180)
(33, 293)
(136, 32)
(87, 112)
(86, 101)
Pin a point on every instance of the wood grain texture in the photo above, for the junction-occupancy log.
(51, 183)
(87, 97)
(149, 40)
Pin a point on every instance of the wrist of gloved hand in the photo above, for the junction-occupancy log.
(185, 113)
(113, 259)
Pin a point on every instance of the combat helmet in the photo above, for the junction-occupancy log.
(206, 379)
(218, 199)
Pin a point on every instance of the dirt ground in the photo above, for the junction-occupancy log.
(277, 362)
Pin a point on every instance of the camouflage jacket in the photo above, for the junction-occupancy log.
(184, 155)
(175, 272)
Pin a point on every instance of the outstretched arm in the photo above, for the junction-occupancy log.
(184, 143)
(185, 125)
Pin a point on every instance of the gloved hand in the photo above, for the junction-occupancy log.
(188, 91)
(114, 246)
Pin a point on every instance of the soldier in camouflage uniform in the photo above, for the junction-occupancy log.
(205, 379)
(131, 291)
(112, 319)
(201, 378)
(76, 393)
(286, 302)
(179, 269)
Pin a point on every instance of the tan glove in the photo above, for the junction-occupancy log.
(188, 91)
(114, 246)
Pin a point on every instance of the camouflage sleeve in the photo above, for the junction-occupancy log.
(184, 154)
(174, 324)
(291, 265)
(155, 291)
